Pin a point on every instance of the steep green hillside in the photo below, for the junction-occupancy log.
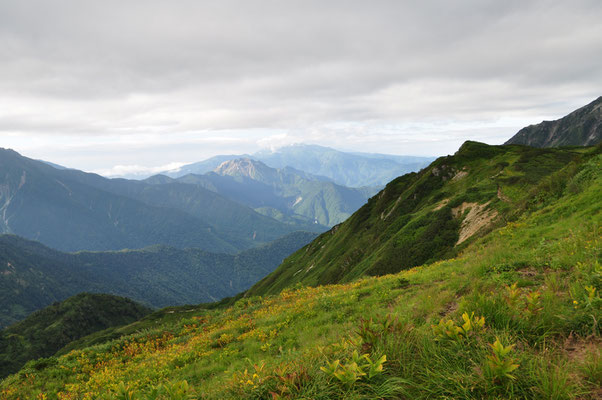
(72, 210)
(33, 276)
(430, 215)
(582, 127)
(46, 331)
(514, 315)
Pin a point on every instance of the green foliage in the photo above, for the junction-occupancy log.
(591, 368)
(179, 390)
(427, 239)
(357, 367)
(512, 294)
(500, 362)
(370, 333)
(470, 325)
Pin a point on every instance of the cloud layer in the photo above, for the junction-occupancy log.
(363, 74)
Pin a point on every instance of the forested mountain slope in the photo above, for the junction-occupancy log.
(46, 331)
(33, 276)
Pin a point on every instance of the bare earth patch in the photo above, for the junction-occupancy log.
(461, 174)
(578, 348)
(527, 272)
(478, 217)
(449, 308)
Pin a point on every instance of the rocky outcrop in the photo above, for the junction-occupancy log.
(582, 127)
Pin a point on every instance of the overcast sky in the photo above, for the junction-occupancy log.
(121, 86)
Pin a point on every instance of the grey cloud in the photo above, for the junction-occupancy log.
(113, 67)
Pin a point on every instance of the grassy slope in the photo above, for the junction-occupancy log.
(275, 347)
(409, 223)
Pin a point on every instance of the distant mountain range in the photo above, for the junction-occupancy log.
(71, 210)
(33, 276)
(346, 169)
(582, 127)
(286, 194)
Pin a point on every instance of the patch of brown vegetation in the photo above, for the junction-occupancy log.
(449, 308)
(478, 216)
(527, 272)
(502, 196)
(579, 349)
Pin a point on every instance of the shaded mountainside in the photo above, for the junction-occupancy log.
(46, 331)
(427, 216)
(582, 127)
(251, 193)
(514, 315)
(238, 223)
(285, 194)
(71, 210)
(33, 276)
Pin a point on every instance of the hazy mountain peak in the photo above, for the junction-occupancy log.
(158, 179)
(244, 167)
